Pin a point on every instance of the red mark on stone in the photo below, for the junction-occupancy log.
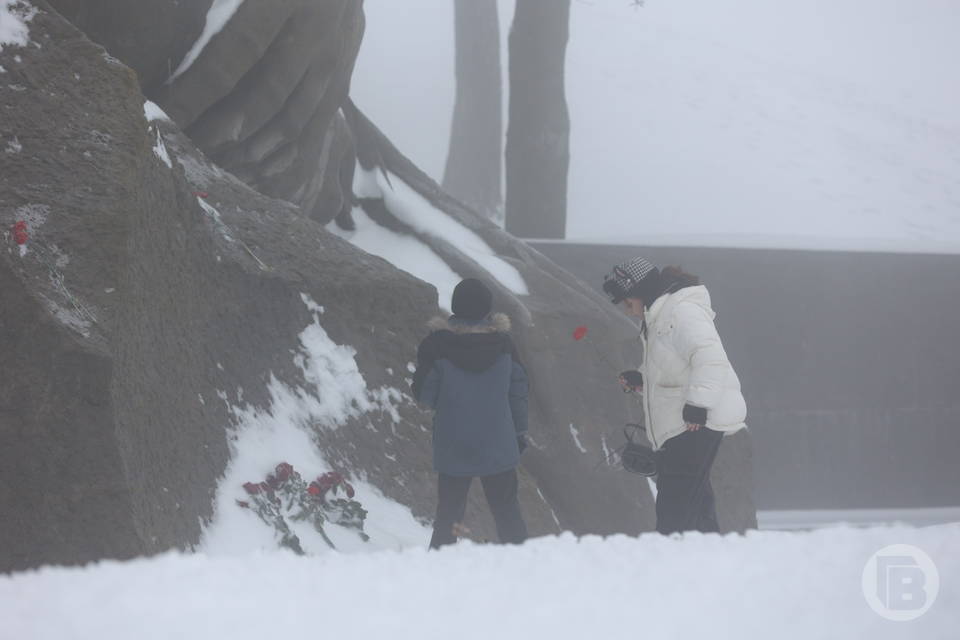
(20, 232)
(579, 333)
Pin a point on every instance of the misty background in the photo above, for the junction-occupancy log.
(822, 124)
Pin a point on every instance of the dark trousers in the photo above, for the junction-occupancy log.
(501, 492)
(684, 495)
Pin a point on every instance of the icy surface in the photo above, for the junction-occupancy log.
(14, 16)
(217, 17)
(402, 251)
(413, 209)
(761, 586)
(335, 392)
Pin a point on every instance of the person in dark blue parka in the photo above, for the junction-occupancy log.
(469, 373)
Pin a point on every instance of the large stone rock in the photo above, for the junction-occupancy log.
(132, 307)
(150, 37)
(262, 95)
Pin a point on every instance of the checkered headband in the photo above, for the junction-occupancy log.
(628, 276)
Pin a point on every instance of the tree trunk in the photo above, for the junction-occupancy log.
(473, 166)
(538, 134)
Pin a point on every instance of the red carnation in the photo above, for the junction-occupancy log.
(284, 471)
(579, 333)
(329, 480)
(314, 489)
(252, 488)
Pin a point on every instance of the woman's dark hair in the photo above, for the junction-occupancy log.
(675, 274)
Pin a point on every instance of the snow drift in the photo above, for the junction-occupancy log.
(759, 586)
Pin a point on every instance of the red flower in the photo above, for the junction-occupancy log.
(284, 471)
(20, 232)
(252, 488)
(329, 480)
(350, 491)
(272, 481)
(266, 488)
(579, 333)
(314, 489)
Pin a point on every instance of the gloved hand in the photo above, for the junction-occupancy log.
(694, 417)
(522, 442)
(631, 381)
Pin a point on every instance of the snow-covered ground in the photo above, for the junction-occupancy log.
(827, 124)
(763, 585)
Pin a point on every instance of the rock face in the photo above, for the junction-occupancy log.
(156, 291)
(132, 306)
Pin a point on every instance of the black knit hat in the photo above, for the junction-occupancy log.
(637, 278)
(472, 300)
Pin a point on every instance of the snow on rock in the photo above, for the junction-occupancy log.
(14, 16)
(218, 222)
(413, 209)
(35, 215)
(217, 17)
(576, 438)
(160, 150)
(759, 586)
(402, 251)
(152, 111)
(14, 146)
(335, 392)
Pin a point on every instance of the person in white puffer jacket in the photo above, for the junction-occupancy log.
(691, 394)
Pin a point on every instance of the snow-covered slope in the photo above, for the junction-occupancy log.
(764, 585)
(829, 124)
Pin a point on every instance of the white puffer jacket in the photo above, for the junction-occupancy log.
(684, 362)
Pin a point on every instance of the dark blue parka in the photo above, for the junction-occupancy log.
(471, 376)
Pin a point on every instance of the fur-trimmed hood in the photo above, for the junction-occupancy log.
(472, 347)
(494, 323)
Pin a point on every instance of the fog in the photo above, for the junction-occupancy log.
(740, 123)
